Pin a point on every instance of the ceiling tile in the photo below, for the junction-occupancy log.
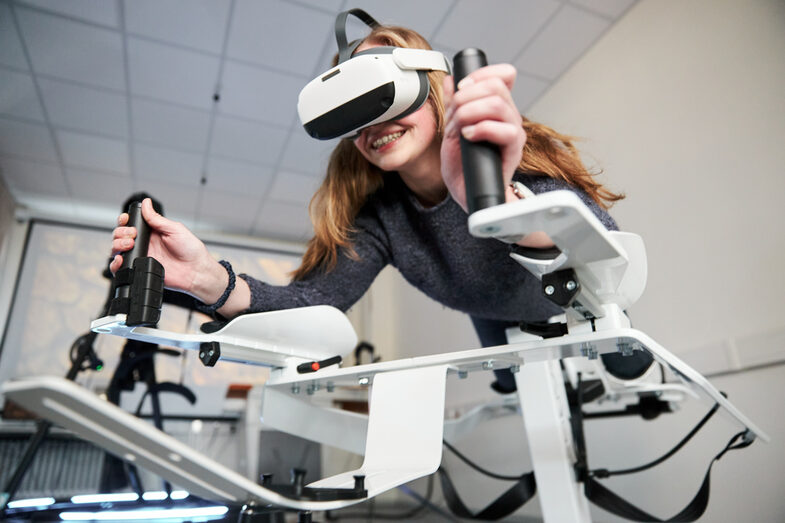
(281, 35)
(526, 90)
(238, 177)
(99, 188)
(254, 93)
(293, 188)
(33, 177)
(563, 40)
(322, 5)
(168, 125)
(59, 206)
(172, 74)
(306, 155)
(421, 16)
(242, 140)
(11, 52)
(513, 23)
(283, 221)
(85, 109)
(612, 8)
(98, 11)
(26, 139)
(229, 212)
(94, 152)
(18, 96)
(154, 163)
(179, 201)
(73, 50)
(200, 24)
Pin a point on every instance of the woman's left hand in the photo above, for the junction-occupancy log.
(481, 110)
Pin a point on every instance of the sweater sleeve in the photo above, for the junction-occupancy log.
(340, 287)
(541, 183)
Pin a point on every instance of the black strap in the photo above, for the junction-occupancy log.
(608, 500)
(345, 49)
(522, 491)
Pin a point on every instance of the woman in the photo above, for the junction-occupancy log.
(395, 195)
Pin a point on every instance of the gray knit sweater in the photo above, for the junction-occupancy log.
(433, 250)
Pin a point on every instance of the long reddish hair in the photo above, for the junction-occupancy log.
(351, 179)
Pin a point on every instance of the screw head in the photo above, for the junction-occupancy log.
(364, 380)
(549, 290)
(570, 285)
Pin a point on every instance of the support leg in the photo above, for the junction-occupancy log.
(546, 418)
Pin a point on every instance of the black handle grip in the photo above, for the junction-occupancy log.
(482, 164)
(139, 250)
(139, 283)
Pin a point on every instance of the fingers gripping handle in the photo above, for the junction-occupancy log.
(139, 283)
(482, 165)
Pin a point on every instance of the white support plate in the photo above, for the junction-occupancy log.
(405, 428)
(560, 214)
(264, 338)
(75, 408)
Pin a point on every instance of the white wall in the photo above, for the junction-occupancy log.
(682, 103)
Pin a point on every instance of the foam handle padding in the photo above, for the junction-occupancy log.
(146, 292)
(482, 165)
(139, 250)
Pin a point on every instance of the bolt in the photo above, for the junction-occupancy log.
(201, 355)
(487, 365)
(310, 390)
(364, 380)
(330, 386)
(588, 350)
(295, 389)
(625, 348)
(549, 290)
(490, 229)
(570, 285)
(462, 374)
(515, 368)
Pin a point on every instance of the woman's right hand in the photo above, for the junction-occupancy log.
(188, 265)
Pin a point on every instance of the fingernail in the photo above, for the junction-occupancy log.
(465, 82)
(468, 132)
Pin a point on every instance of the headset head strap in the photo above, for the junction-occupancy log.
(345, 49)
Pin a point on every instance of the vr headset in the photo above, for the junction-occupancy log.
(373, 86)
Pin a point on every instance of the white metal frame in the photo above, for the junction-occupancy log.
(401, 437)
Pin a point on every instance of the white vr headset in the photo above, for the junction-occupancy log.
(373, 86)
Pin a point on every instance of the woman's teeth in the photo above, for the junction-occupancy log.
(386, 139)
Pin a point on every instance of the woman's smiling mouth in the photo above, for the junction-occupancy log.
(384, 140)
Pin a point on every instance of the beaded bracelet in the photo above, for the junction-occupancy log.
(211, 309)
